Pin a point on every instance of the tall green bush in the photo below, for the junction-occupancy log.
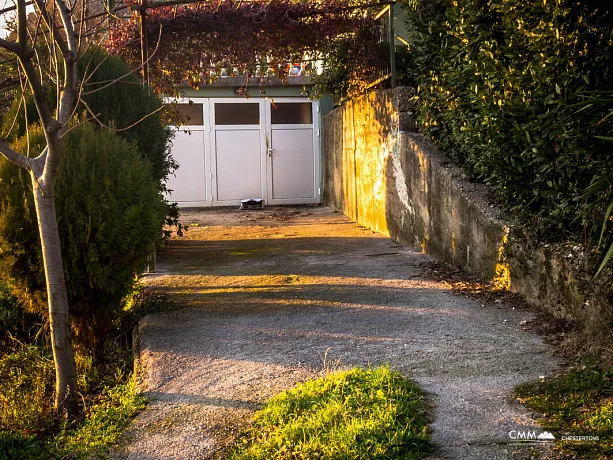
(498, 81)
(117, 97)
(110, 214)
(132, 108)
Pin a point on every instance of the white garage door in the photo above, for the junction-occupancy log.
(291, 160)
(248, 149)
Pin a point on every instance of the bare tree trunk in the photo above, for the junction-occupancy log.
(63, 356)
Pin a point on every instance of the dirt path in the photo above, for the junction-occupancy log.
(274, 297)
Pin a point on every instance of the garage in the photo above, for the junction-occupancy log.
(233, 149)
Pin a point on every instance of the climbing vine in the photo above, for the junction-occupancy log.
(196, 42)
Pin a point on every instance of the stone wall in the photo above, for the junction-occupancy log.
(384, 175)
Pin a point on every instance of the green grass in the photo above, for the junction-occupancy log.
(26, 389)
(103, 423)
(28, 429)
(578, 403)
(99, 430)
(376, 414)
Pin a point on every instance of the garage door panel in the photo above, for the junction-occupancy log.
(238, 156)
(292, 164)
(188, 182)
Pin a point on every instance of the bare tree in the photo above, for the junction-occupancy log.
(56, 27)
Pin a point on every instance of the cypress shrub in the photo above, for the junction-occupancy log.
(118, 99)
(129, 106)
(498, 84)
(110, 214)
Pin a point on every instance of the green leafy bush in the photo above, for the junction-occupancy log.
(498, 83)
(358, 413)
(110, 214)
(597, 108)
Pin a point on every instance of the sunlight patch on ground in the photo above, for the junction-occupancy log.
(207, 283)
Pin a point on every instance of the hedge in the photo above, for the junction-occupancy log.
(500, 87)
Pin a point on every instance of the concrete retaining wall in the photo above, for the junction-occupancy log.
(384, 175)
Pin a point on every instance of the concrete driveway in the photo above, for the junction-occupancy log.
(274, 297)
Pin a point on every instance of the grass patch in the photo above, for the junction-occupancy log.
(28, 428)
(104, 422)
(579, 403)
(358, 413)
(26, 389)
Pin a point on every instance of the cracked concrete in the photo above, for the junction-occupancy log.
(274, 297)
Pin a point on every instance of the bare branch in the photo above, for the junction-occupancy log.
(112, 82)
(38, 91)
(57, 36)
(71, 51)
(25, 111)
(118, 130)
(8, 9)
(13, 47)
(108, 13)
(81, 24)
(34, 38)
(22, 27)
(13, 156)
(14, 119)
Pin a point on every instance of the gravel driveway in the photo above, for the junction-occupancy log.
(274, 297)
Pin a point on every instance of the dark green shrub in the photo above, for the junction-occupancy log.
(126, 105)
(15, 322)
(20, 257)
(14, 446)
(116, 96)
(110, 213)
(498, 83)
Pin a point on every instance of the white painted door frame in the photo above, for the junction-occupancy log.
(189, 130)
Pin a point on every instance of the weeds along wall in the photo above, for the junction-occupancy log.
(498, 86)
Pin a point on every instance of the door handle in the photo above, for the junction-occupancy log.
(270, 150)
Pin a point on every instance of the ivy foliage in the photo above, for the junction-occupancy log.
(498, 86)
(193, 43)
(351, 63)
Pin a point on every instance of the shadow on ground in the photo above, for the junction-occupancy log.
(273, 298)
